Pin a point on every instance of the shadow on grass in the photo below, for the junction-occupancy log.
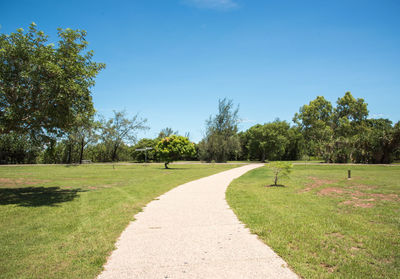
(172, 168)
(37, 196)
(274, 186)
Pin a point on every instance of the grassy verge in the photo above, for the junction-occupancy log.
(62, 222)
(321, 223)
(296, 162)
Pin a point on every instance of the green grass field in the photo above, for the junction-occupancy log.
(321, 223)
(63, 221)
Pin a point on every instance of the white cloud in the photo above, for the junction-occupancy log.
(223, 5)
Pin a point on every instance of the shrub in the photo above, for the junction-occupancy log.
(280, 169)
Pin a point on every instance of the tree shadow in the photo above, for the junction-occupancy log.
(274, 186)
(37, 196)
(173, 168)
(72, 165)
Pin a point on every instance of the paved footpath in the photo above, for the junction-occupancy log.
(190, 232)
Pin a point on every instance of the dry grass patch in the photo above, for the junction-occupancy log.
(331, 191)
(316, 183)
(14, 182)
(358, 197)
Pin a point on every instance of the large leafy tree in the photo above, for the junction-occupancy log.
(120, 130)
(296, 147)
(268, 141)
(274, 141)
(81, 135)
(377, 143)
(221, 141)
(316, 122)
(349, 115)
(174, 148)
(344, 133)
(45, 87)
(349, 121)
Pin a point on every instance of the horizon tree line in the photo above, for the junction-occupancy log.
(47, 116)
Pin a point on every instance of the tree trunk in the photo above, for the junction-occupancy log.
(81, 154)
(114, 153)
(276, 180)
(166, 165)
(69, 158)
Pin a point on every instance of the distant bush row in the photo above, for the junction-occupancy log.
(47, 116)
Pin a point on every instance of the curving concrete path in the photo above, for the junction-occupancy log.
(190, 232)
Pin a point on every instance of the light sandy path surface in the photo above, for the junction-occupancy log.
(190, 232)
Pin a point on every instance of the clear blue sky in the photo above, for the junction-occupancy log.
(171, 60)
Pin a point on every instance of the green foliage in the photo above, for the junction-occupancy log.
(139, 156)
(18, 149)
(174, 148)
(120, 130)
(280, 169)
(344, 134)
(378, 142)
(273, 141)
(54, 153)
(315, 121)
(45, 88)
(99, 153)
(222, 141)
(71, 148)
(350, 109)
(85, 134)
(295, 150)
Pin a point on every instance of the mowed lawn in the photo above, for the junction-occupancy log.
(63, 221)
(321, 223)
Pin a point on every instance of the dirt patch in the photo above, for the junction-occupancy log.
(6, 181)
(356, 202)
(74, 178)
(332, 191)
(364, 205)
(363, 187)
(108, 185)
(316, 183)
(20, 181)
(371, 197)
(359, 204)
(358, 198)
(92, 188)
(382, 197)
